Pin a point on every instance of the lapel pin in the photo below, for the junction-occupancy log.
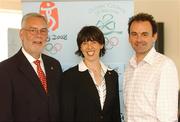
(52, 68)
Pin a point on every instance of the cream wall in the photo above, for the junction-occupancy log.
(10, 4)
(167, 11)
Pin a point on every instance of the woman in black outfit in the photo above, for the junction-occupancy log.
(90, 89)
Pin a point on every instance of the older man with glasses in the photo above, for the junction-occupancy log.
(30, 80)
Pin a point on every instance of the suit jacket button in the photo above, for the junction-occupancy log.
(101, 116)
(38, 118)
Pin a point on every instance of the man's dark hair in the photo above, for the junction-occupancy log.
(143, 17)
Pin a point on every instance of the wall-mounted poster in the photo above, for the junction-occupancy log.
(67, 17)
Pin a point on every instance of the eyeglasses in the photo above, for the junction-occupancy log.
(35, 31)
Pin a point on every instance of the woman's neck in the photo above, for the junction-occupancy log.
(92, 65)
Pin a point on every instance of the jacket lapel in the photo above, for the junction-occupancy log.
(91, 88)
(28, 71)
(109, 89)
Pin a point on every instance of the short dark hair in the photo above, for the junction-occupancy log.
(90, 33)
(143, 17)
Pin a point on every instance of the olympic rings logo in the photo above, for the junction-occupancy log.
(112, 42)
(53, 48)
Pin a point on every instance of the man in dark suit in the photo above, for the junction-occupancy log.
(23, 95)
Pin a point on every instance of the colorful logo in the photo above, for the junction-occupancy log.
(50, 10)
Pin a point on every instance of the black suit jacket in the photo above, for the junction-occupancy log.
(22, 95)
(80, 99)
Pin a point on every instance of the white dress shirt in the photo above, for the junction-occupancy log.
(31, 61)
(151, 89)
(100, 88)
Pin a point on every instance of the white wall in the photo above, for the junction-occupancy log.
(8, 19)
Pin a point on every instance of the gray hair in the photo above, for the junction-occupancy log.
(29, 15)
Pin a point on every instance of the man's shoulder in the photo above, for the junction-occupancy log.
(49, 58)
(9, 61)
(163, 58)
(162, 62)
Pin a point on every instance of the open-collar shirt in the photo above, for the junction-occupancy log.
(151, 89)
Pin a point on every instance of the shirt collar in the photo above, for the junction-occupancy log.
(29, 57)
(82, 67)
(149, 58)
